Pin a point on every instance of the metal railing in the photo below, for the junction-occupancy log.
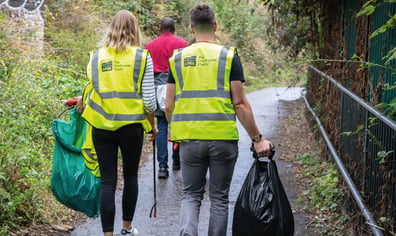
(363, 144)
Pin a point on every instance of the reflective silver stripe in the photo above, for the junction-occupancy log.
(178, 59)
(200, 93)
(94, 68)
(89, 94)
(177, 51)
(115, 94)
(204, 94)
(123, 95)
(203, 117)
(138, 63)
(116, 117)
(221, 67)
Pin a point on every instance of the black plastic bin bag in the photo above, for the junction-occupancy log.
(262, 207)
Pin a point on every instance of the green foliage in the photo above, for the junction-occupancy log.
(72, 31)
(391, 23)
(348, 133)
(31, 89)
(180, 12)
(296, 26)
(150, 13)
(382, 155)
(32, 85)
(324, 194)
(389, 109)
(391, 55)
(300, 27)
(2, 33)
(247, 25)
(111, 7)
(141, 9)
(369, 8)
(239, 20)
(177, 10)
(72, 49)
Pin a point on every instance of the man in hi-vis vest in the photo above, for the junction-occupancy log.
(204, 97)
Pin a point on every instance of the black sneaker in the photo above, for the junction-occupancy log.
(163, 173)
(176, 166)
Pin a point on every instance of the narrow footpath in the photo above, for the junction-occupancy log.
(268, 109)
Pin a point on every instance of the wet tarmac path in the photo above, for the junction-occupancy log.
(267, 112)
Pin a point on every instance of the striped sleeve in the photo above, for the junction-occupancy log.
(148, 89)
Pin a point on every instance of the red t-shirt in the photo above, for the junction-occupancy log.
(161, 49)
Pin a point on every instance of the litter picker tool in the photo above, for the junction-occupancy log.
(153, 211)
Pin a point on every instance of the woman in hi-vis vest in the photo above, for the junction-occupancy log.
(119, 103)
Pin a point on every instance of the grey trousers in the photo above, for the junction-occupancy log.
(196, 158)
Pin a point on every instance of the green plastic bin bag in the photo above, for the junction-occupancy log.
(72, 182)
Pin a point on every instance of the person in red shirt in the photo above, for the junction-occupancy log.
(161, 49)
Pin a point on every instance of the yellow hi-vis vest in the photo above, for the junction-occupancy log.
(114, 93)
(89, 153)
(203, 107)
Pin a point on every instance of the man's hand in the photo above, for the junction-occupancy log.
(262, 147)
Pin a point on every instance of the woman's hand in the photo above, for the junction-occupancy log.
(153, 133)
(80, 105)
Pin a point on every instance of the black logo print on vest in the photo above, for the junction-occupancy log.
(107, 66)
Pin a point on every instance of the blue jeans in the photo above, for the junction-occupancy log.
(162, 142)
(196, 158)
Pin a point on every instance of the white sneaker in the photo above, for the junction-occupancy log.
(132, 231)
